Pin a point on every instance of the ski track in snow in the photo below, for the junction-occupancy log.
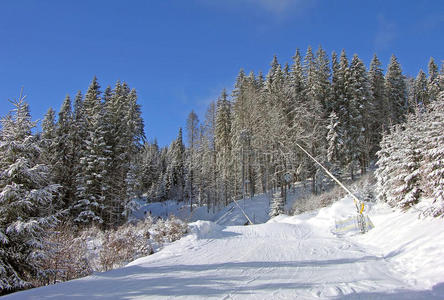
(266, 261)
(286, 258)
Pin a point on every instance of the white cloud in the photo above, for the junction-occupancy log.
(386, 33)
(276, 8)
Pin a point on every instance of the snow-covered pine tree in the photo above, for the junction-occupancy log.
(47, 139)
(222, 139)
(193, 146)
(150, 166)
(64, 157)
(176, 168)
(114, 134)
(278, 139)
(26, 198)
(337, 85)
(78, 133)
(318, 90)
(209, 161)
(94, 159)
(388, 161)
(259, 136)
(130, 205)
(434, 156)
(395, 92)
(299, 114)
(360, 113)
(322, 82)
(433, 85)
(334, 140)
(420, 92)
(379, 121)
(313, 109)
(399, 165)
(243, 131)
(116, 139)
(340, 104)
(239, 120)
(133, 137)
(407, 190)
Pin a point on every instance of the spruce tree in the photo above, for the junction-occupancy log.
(47, 138)
(150, 166)
(223, 145)
(379, 121)
(360, 107)
(433, 149)
(193, 146)
(91, 186)
(177, 167)
(334, 140)
(340, 104)
(433, 86)
(395, 92)
(64, 158)
(420, 91)
(26, 200)
(209, 147)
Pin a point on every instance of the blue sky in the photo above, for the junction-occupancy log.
(180, 54)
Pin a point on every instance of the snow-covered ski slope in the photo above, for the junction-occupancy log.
(286, 258)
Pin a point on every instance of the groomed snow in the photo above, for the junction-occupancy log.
(295, 257)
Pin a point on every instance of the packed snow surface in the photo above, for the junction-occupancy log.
(296, 257)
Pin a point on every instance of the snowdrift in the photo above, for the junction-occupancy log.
(289, 257)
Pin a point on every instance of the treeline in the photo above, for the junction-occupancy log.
(336, 109)
(91, 153)
(80, 171)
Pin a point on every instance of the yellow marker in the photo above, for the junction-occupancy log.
(362, 208)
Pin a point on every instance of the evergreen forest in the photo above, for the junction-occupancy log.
(91, 163)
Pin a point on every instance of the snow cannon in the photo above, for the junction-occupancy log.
(357, 223)
(360, 222)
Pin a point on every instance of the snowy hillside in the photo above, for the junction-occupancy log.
(257, 208)
(285, 258)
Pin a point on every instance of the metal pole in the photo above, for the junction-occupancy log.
(355, 199)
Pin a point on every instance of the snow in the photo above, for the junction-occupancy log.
(257, 208)
(288, 257)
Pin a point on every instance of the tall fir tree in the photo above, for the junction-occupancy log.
(395, 92)
(193, 146)
(26, 201)
(64, 158)
(223, 146)
(380, 113)
(47, 138)
(433, 85)
(91, 186)
(177, 167)
(421, 97)
(433, 149)
(360, 110)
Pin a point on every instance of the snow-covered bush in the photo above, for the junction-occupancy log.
(66, 257)
(123, 245)
(129, 242)
(312, 202)
(169, 230)
(71, 255)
